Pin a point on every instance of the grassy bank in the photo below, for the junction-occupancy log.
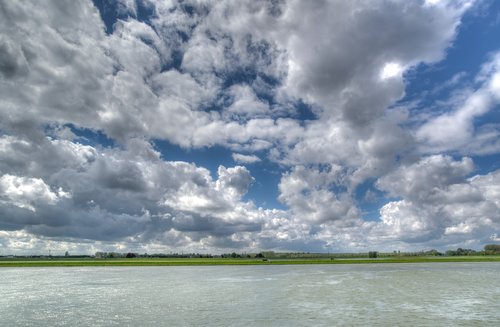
(61, 262)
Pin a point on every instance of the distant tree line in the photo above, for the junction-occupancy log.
(489, 249)
(492, 249)
(461, 252)
(112, 255)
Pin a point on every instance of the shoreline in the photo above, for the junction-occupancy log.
(229, 262)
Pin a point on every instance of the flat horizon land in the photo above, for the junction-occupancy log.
(76, 262)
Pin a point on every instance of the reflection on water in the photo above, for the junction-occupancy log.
(437, 294)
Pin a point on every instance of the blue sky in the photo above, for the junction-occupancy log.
(141, 125)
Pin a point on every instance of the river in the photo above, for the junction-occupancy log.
(416, 294)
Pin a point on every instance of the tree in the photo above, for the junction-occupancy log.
(451, 253)
(492, 249)
(433, 252)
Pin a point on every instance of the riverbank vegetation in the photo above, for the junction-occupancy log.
(490, 253)
(91, 261)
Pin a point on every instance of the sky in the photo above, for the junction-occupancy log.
(216, 126)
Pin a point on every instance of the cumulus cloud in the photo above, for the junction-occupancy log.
(61, 71)
(25, 192)
(455, 130)
(252, 76)
(125, 90)
(345, 76)
(418, 180)
(127, 195)
(245, 158)
(245, 103)
(308, 192)
(439, 201)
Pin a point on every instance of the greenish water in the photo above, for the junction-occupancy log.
(417, 294)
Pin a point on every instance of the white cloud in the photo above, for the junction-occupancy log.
(121, 195)
(245, 158)
(420, 180)
(26, 192)
(124, 93)
(324, 73)
(230, 74)
(144, 49)
(455, 130)
(403, 221)
(390, 70)
(439, 202)
(234, 181)
(461, 228)
(307, 191)
(245, 102)
(65, 70)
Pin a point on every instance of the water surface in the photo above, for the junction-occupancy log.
(416, 294)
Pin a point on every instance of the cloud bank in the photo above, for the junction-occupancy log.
(83, 101)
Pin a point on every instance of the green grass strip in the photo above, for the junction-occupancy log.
(231, 262)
